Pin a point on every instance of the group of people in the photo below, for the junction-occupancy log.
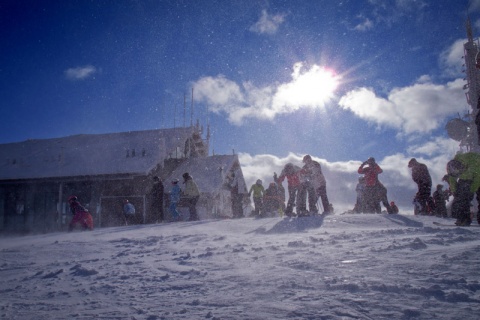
(463, 178)
(189, 195)
(307, 182)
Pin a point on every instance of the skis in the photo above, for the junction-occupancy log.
(452, 225)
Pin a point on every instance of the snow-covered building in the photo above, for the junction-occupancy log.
(37, 176)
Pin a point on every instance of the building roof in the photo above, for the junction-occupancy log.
(134, 152)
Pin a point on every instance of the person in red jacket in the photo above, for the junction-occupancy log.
(81, 215)
(374, 191)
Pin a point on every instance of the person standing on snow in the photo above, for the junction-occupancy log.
(174, 199)
(81, 215)
(156, 200)
(316, 185)
(272, 201)
(360, 189)
(422, 178)
(439, 198)
(129, 212)
(374, 191)
(192, 194)
(236, 196)
(258, 193)
(290, 172)
(464, 180)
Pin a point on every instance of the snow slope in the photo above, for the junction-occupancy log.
(362, 266)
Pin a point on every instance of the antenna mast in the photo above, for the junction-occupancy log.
(471, 50)
(191, 111)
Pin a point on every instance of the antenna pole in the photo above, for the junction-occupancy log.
(191, 111)
(184, 108)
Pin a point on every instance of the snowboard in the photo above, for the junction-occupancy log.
(453, 225)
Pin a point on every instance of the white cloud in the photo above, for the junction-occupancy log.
(419, 108)
(451, 59)
(268, 24)
(309, 88)
(435, 147)
(474, 6)
(367, 24)
(80, 73)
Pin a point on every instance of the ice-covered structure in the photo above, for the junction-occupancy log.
(37, 176)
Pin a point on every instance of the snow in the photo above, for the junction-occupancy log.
(90, 154)
(351, 266)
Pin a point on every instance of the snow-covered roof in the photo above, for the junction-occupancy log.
(134, 152)
(209, 172)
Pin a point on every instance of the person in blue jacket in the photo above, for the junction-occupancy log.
(174, 199)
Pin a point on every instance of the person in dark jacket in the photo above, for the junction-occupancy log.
(291, 172)
(464, 181)
(81, 216)
(192, 194)
(156, 200)
(439, 198)
(422, 178)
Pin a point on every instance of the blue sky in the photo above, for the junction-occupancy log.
(340, 80)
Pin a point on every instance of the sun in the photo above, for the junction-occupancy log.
(313, 87)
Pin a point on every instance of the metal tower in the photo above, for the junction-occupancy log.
(466, 129)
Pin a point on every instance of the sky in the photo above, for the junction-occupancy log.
(274, 80)
(335, 267)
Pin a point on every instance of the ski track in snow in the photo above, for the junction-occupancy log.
(337, 267)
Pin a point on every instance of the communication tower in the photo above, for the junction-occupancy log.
(466, 129)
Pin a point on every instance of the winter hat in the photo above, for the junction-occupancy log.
(412, 162)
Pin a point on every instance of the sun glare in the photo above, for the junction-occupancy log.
(314, 87)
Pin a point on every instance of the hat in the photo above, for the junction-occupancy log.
(455, 168)
(186, 175)
(72, 198)
(175, 181)
(412, 162)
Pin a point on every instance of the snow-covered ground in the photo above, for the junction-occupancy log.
(364, 266)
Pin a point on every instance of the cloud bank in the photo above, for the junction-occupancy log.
(419, 108)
